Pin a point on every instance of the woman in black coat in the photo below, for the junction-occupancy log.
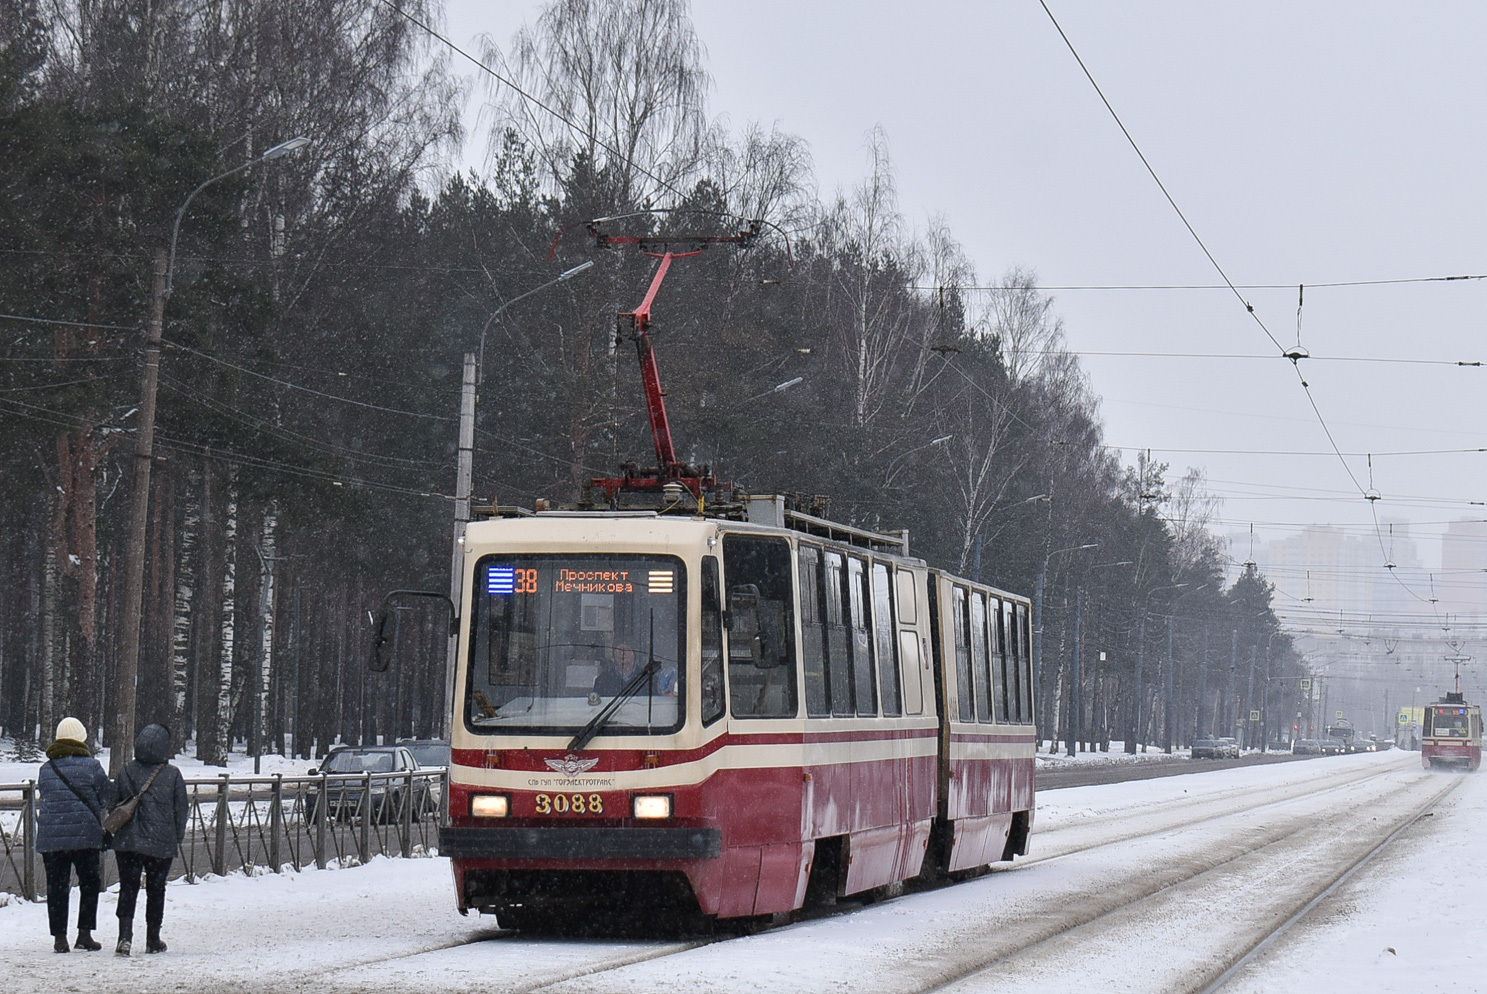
(149, 842)
(75, 793)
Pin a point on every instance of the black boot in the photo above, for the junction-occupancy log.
(153, 942)
(126, 938)
(86, 941)
(60, 944)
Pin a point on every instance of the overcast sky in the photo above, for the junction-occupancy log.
(1306, 143)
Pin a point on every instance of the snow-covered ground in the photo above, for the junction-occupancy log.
(14, 771)
(238, 764)
(1415, 919)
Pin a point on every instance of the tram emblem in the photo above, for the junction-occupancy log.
(570, 765)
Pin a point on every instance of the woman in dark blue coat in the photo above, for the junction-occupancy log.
(75, 793)
(149, 842)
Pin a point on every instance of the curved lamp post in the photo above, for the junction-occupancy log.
(127, 666)
(464, 482)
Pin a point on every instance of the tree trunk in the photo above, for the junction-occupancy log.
(185, 590)
(205, 655)
(265, 626)
(223, 713)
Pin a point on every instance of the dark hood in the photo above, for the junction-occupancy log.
(152, 745)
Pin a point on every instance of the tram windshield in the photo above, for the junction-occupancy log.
(553, 639)
(1449, 722)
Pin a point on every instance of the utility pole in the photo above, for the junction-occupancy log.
(126, 671)
(1249, 700)
(1137, 694)
(1167, 693)
(1199, 727)
(463, 482)
(1038, 644)
(1075, 701)
(1229, 687)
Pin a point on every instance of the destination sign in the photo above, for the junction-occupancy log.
(511, 580)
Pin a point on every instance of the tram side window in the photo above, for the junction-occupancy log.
(980, 677)
(712, 642)
(1001, 659)
(887, 645)
(761, 643)
(838, 663)
(864, 680)
(1024, 667)
(961, 622)
(813, 633)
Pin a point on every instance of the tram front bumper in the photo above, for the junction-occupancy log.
(571, 842)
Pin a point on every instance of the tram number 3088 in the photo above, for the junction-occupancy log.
(570, 804)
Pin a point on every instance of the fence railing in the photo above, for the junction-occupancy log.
(261, 823)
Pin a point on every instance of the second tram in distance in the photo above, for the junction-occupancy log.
(1452, 733)
(751, 710)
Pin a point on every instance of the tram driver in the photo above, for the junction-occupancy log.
(616, 673)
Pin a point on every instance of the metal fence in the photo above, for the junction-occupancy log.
(261, 824)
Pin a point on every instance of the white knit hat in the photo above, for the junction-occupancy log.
(71, 728)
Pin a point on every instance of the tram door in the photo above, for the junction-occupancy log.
(911, 659)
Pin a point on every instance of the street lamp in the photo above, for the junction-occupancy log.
(566, 274)
(889, 475)
(1139, 691)
(278, 151)
(778, 388)
(1167, 673)
(474, 375)
(1038, 616)
(126, 670)
(1076, 681)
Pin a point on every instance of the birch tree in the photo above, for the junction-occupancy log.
(222, 713)
(185, 592)
(266, 617)
(874, 324)
(625, 79)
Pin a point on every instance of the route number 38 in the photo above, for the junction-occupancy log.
(570, 804)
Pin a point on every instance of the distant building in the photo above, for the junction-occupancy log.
(1324, 573)
(1462, 583)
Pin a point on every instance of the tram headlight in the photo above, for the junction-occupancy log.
(490, 806)
(651, 806)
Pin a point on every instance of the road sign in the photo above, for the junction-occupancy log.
(1254, 716)
(1306, 685)
(1404, 717)
(1339, 716)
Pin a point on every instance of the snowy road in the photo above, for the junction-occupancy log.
(1155, 885)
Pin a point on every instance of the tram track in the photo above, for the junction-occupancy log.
(1210, 807)
(1125, 916)
(1151, 863)
(1259, 947)
(1015, 936)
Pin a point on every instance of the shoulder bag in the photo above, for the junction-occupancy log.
(123, 812)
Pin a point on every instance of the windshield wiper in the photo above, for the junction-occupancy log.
(598, 721)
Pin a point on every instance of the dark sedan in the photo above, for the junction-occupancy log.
(389, 796)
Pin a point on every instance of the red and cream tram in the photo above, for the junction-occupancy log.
(738, 711)
(748, 707)
(1452, 733)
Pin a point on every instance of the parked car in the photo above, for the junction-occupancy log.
(389, 798)
(1208, 749)
(428, 752)
(1229, 746)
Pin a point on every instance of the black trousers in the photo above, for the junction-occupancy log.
(59, 866)
(156, 870)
